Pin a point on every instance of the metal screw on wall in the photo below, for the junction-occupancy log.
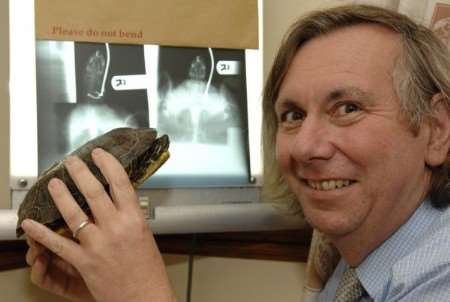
(22, 182)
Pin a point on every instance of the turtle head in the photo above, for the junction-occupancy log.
(150, 161)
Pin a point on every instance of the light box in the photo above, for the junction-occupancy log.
(63, 93)
(195, 95)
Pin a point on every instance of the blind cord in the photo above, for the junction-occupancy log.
(191, 268)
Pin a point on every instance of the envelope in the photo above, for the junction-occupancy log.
(190, 23)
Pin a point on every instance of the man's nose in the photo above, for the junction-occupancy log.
(313, 141)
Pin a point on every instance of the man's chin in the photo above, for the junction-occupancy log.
(331, 227)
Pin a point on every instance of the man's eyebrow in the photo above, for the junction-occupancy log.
(348, 91)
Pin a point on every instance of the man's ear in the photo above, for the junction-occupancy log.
(439, 123)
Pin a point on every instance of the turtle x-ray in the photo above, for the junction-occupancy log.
(195, 95)
(204, 107)
(75, 103)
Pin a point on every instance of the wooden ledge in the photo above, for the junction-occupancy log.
(290, 245)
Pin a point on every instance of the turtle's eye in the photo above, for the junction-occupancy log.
(158, 149)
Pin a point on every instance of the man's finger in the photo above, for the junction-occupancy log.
(34, 250)
(39, 270)
(33, 244)
(32, 253)
(61, 246)
(70, 210)
(121, 189)
(64, 266)
(98, 199)
(43, 275)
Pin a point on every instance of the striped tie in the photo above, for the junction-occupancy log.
(349, 289)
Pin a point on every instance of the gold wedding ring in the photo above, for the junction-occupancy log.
(80, 227)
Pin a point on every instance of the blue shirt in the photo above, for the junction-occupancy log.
(413, 264)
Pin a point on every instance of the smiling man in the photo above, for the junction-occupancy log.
(357, 124)
(357, 103)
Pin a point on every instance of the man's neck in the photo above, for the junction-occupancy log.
(356, 246)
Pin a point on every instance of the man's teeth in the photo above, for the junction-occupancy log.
(329, 184)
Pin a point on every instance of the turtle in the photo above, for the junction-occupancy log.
(139, 150)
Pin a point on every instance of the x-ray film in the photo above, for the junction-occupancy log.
(195, 95)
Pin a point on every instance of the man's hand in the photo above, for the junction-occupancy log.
(52, 273)
(116, 258)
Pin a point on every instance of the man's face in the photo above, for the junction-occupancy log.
(342, 144)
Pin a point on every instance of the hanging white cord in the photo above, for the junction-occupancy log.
(208, 84)
(105, 76)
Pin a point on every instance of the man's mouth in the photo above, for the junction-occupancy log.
(331, 184)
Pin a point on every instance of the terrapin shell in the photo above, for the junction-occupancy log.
(139, 151)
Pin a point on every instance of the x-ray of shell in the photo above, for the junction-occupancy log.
(92, 68)
(73, 124)
(197, 71)
(97, 63)
(88, 121)
(83, 105)
(195, 115)
(196, 105)
(94, 75)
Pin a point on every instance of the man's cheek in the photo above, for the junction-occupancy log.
(282, 157)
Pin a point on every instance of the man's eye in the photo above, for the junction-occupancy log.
(347, 108)
(291, 116)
